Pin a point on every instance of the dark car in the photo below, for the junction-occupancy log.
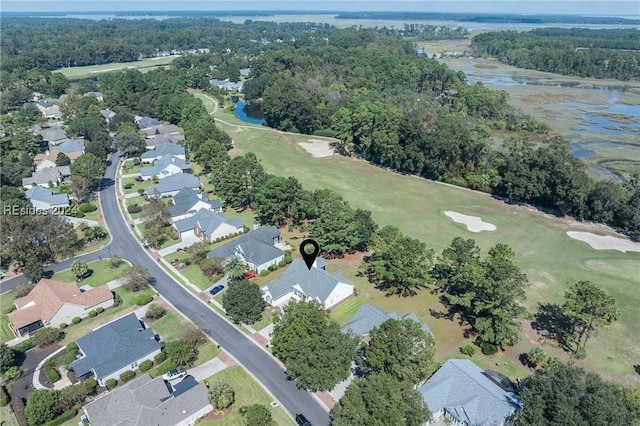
(302, 420)
(217, 289)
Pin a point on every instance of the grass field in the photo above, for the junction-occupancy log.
(547, 255)
(101, 273)
(247, 392)
(77, 73)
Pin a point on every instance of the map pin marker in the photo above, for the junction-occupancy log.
(309, 258)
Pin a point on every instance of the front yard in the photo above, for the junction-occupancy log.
(100, 273)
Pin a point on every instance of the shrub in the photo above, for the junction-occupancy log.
(76, 320)
(140, 191)
(4, 397)
(281, 263)
(134, 208)
(111, 383)
(273, 267)
(468, 349)
(87, 208)
(489, 348)
(127, 375)
(145, 365)
(78, 214)
(159, 358)
(52, 374)
(63, 326)
(12, 373)
(67, 415)
(117, 299)
(47, 336)
(287, 258)
(128, 185)
(99, 309)
(143, 299)
(264, 273)
(25, 345)
(92, 314)
(155, 311)
(72, 347)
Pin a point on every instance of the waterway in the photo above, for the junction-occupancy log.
(246, 111)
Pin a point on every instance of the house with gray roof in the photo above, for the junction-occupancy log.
(48, 177)
(48, 109)
(466, 395)
(171, 185)
(147, 401)
(188, 202)
(166, 166)
(145, 122)
(107, 114)
(71, 146)
(158, 129)
(161, 150)
(207, 225)
(45, 199)
(54, 135)
(114, 348)
(161, 139)
(369, 317)
(300, 283)
(226, 85)
(256, 249)
(244, 72)
(98, 95)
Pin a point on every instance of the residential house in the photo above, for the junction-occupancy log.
(160, 151)
(98, 95)
(45, 199)
(244, 72)
(256, 249)
(48, 177)
(51, 303)
(159, 129)
(369, 317)
(300, 283)
(188, 202)
(162, 139)
(114, 348)
(54, 135)
(49, 110)
(465, 395)
(72, 148)
(166, 166)
(145, 122)
(226, 85)
(107, 114)
(147, 401)
(171, 185)
(207, 225)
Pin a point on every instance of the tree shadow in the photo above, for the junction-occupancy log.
(553, 322)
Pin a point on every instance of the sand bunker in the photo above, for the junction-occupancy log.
(317, 148)
(473, 223)
(605, 242)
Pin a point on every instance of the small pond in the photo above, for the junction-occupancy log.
(246, 111)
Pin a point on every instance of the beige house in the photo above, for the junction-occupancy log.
(52, 303)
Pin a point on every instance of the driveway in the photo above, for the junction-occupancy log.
(23, 386)
(208, 369)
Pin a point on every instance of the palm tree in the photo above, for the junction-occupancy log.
(79, 269)
(221, 395)
(234, 267)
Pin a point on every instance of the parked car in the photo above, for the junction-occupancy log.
(174, 374)
(249, 274)
(302, 420)
(217, 289)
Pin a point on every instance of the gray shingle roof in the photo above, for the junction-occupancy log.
(256, 246)
(47, 174)
(158, 129)
(162, 163)
(162, 139)
(146, 122)
(174, 183)
(368, 317)
(38, 193)
(146, 401)
(313, 283)
(71, 145)
(463, 389)
(187, 198)
(52, 134)
(115, 346)
(207, 220)
(162, 150)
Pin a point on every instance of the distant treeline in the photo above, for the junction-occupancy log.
(605, 53)
(492, 18)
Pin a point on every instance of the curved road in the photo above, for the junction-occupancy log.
(259, 363)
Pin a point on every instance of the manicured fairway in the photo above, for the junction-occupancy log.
(76, 73)
(549, 257)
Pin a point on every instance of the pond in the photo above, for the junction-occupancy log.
(246, 111)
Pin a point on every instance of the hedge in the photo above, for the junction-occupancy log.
(159, 358)
(143, 299)
(25, 345)
(99, 309)
(273, 267)
(145, 365)
(72, 347)
(87, 208)
(63, 326)
(92, 314)
(67, 415)
(76, 320)
(111, 383)
(52, 374)
(127, 375)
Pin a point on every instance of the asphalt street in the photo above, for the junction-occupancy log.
(259, 363)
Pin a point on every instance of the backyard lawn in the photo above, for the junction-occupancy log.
(247, 392)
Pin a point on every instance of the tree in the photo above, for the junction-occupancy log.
(131, 144)
(33, 270)
(563, 393)
(62, 160)
(257, 415)
(379, 400)
(536, 357)
(399, 264)
(221, 395)
(588, 308)
(312, 347)
(401, 349)
(136, 278)
(243, 302)
(79, 269)
(89, 167)
(79, 187)
(42, 406)
(194, 335)
(8, 358)
(234, 267)
(277, 201)
(334, 228)
(47, 336)
(239, 182)
(182, 352)
(155, 311)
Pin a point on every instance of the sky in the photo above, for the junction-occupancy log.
(583, 7)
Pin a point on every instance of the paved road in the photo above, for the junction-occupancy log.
(236, 343)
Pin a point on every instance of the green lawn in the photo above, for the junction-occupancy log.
(207, 351)
(195, 275)
(6, 302)
(247, 392)
(128, 168)
(7, 419)
(94, 215)
(136, 185)
(345, 310)
(77, 73)
(102, 273)
(547, 255)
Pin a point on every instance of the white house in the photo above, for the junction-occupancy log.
(166, 166)
(171, 185)
(45, 199)
(256, 249)
(47, 177)
(207, 225)
(300, 283)
(188, 202)
(160, 151)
